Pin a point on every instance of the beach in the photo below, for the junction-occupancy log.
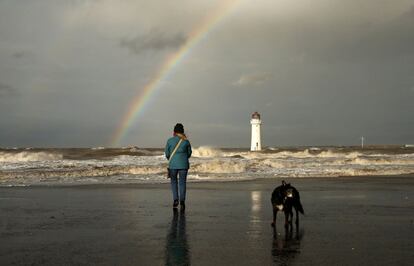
(347, 221)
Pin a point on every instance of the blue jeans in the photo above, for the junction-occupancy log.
(182, 173)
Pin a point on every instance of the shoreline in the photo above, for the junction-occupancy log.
(195, 181)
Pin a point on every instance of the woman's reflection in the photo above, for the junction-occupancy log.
(177, 249)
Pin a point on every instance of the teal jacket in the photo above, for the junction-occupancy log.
(180, 158)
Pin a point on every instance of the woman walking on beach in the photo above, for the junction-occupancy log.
(178, 151)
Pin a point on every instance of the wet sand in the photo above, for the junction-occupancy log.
(348, 221)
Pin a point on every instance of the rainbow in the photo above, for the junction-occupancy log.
(197, 34)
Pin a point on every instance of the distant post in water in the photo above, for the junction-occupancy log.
(256, 122)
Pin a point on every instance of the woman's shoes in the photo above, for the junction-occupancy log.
(182, 204)
(175, 204)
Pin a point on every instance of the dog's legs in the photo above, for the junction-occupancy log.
(286, 219)
(286, 234)
(291, 219)
(274, 216)
(297, 218)
(297, 224)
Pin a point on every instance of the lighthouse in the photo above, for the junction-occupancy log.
(256, 122)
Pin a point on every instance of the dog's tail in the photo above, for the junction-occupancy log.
(300, 208)
(298, 204)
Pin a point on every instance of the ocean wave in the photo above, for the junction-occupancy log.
(274, 163)
(94, 171)
(307, 153)
(26, 156)
(381, 161)
(206, 152)
(220, 167)
(364, 172)
(109, 165)
(331, 154)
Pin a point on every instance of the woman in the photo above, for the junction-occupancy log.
(177, 151)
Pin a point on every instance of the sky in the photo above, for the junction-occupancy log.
(320, 72)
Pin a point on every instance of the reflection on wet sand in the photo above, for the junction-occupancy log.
(177, 249)
(285, 249)
(255, 229)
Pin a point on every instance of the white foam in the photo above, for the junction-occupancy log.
(25, 156)
(323, 154)
(28, 167)
(146, 170)
(274, 163)
(206, 152)
(330, 154)
(219, 167)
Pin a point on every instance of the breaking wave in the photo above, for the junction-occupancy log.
(220, 167)
(307, 153)
(106, 165)
(25, 156)
(206, 152)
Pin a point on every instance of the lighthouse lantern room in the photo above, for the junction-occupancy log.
(256, 122)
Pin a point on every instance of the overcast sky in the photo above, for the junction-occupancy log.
(320, 72)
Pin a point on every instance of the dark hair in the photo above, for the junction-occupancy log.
(179, 128)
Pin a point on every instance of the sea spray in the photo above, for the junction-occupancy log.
(206, 152)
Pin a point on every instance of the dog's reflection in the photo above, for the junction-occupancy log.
(285, 248)
(177, 249)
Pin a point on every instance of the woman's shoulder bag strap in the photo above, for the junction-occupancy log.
(175, 149)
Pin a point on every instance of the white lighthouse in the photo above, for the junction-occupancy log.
(256, 137)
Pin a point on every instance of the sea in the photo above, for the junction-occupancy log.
(133, 165)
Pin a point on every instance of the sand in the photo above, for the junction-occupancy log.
(348, 221)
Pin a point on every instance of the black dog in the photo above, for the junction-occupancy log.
(284, 198)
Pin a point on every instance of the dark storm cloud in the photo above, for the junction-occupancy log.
(324, 73)
(357, 41)
(47, 133)
(153, 40)
(393, 39)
